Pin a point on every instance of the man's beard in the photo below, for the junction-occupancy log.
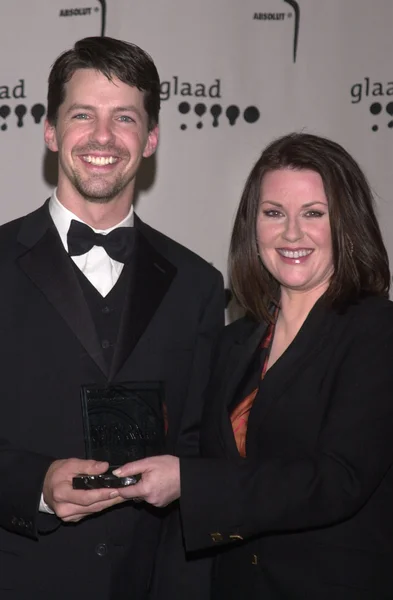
(96, 188)
(99, 191)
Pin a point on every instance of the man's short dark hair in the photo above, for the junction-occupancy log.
(360, 260)
(112, 58)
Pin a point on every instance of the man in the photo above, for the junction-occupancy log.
(76, 315)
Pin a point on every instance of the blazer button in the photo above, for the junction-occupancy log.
(216, 537)
(105, 344)
(101, 550)
(14, 521)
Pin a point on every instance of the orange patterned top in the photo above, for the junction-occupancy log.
(239, 415)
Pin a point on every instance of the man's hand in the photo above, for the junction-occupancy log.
(160, 483)
(73, 505)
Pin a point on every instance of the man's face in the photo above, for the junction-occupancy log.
(101, 135)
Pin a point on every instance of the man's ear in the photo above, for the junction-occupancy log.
(152, 142)
(50, 136)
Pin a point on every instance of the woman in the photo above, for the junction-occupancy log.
(295, 485)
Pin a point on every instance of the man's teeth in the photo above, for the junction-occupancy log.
(100, 160)
(295, 253)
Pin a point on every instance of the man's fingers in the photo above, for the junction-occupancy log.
(65, 494)
(67, 511)
(133, 492)
(88, 467)
(133, 468)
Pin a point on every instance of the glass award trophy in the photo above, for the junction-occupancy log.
(122, 423)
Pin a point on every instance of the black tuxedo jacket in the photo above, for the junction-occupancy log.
(49, 347)
(309, 513)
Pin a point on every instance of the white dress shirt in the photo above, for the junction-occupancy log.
(101, 270)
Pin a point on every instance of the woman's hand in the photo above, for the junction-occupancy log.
(160, 483)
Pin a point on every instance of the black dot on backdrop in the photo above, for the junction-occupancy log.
(389, 110)
(375, 108)
(184, 108)
(200, 109)
(251, 114)
(232, 112)
(4, 112)
(37, 112)
(20, 112)
(215, 112)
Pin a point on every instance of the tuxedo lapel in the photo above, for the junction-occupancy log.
(152, 275)
(48, 266)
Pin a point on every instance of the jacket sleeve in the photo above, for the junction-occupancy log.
(22, 475)
(176, 576)
(211, 323)
(224, 500)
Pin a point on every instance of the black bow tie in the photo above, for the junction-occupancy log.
(118, 244)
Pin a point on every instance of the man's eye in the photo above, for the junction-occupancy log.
(81, 116)
(126, 119)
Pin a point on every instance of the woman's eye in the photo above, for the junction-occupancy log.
(272, 213)
(314, 213)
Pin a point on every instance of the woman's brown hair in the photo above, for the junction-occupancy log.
(360, 260)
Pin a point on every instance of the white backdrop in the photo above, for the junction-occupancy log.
(216, 59)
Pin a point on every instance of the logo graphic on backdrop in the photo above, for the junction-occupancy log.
(86, 12)
(296, 25)
(201, 104)
(377, 95)
(281, 16)
(15, 109)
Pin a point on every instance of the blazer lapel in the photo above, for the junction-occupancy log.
(48, 266)
(237, 361)
(304, 349)
(152, 275)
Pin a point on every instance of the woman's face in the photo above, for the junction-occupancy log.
(293, 230)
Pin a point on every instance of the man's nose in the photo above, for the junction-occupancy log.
(103, 131)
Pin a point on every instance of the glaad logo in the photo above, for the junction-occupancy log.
(173, 88)
(280, 16)
(87, 11)
(17, 115)
(368, 90)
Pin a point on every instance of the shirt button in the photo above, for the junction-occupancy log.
(101, 549)
(106, 310)
(105, 344)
